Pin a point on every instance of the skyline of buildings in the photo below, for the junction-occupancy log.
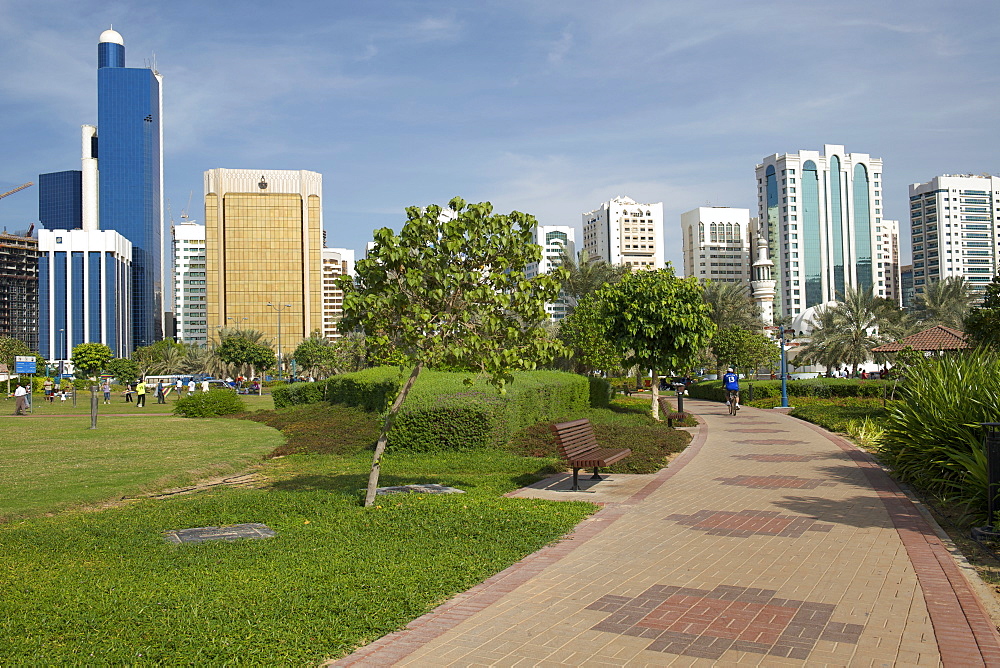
(826, 231)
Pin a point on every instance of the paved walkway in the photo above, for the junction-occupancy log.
(767, 542)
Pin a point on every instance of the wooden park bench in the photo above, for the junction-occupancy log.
(578, 446)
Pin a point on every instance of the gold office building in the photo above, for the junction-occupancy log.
(263, 233)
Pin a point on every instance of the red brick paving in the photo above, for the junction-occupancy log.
(776, 481)
(685, 594)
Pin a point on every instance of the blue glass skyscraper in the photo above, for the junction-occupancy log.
(129, 108)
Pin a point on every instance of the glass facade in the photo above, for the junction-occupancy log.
(60, 200)
(59, 302)
(837, 223)
(128, 112)
(266, 248)
(811, 235)
(771, 188)
(863, 229)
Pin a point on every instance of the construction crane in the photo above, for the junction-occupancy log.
(17, 189)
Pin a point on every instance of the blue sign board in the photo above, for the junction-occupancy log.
(24, 364)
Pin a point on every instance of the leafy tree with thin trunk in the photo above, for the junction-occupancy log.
(745, 350)
(243, 351)
(657, 321)
(450, 291)
(124, 370)
(584, 332)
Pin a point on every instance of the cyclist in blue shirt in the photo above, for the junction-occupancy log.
(731, 383)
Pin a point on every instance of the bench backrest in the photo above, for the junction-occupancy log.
(575, 438)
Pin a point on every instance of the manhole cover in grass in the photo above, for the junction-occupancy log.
(234, 532)
(429, 488)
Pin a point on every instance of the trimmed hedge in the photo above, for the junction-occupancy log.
(601, 392)
(812, 387)
(442, 412)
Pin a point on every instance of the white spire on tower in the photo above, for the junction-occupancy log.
(763, 283)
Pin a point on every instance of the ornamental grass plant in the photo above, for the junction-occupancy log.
(933, 437)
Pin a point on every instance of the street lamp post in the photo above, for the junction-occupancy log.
(236, 321)
(279, 309)
(784, 369)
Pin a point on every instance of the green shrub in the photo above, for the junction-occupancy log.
(297, 394)
(443, 413)
(210, 404)
(601, 392)
(371, 389)
(932, 436)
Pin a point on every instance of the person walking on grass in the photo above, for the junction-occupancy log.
(106, 389)
(48, 386)
(20, 402)
(178, 386)
(140, 394)
(191, 387)
(160, 396)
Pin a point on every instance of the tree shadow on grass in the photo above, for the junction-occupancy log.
(350, 483)
(862, 512)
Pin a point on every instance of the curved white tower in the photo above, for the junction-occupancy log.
(763, 283)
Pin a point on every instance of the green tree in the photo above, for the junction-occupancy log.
(244, 352)
(745, 350)
(657, 321)
(11, 348)
(315, 355)
(450, 291)
(945, 302)
(584, 332)
(982, 324)
(89, 359)
(124, 370)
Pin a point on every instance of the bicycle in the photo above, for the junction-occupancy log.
(733, 401)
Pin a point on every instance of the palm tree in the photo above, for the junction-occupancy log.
(587, 274)
(846, 332)
(945, 302)
(732, 305)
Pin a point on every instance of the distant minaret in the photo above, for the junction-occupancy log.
(763, 283)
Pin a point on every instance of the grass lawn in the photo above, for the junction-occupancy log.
(106, 588)
(51, 463)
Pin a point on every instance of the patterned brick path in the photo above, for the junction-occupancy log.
(730, 556)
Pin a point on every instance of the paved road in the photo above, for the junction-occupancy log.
(768, 542)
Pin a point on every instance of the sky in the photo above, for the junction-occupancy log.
(548, 107)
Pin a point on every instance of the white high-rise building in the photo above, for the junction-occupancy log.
(189, 283)
(84, 291)
(715, 241)
(625, 232)
(822, 212)
(887, 253)
(337, 262)
(555, 241)
(955, 224)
